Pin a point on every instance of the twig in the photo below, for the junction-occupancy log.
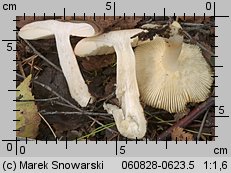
(193, 24)
(105, 99)
(112, 131)
(19, 63)
(203, 31)
(159, 119)
(62, 104)
(189, 118)
(76, 113)
(198, 44)
(27, 60)
(45, 100)
(195, 132)
(202, 124)
(52, 131)
(108, 97)
(41, 56)
(36, 100)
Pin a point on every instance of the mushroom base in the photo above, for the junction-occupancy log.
(128, 126)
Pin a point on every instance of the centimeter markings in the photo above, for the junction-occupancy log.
(121, 149)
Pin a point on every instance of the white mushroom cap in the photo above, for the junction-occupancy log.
(47, 28)
(102, 45)
(130, 118)
(62, 31)
(171, 73)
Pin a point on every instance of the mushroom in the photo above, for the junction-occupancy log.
(62, 31)
(130, 120)
(171, 73)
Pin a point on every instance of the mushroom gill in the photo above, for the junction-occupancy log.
(171, 73)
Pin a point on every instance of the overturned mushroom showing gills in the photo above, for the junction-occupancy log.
(171, 73)
(62, 31)
(130, 118)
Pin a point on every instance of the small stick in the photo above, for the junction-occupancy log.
(189, 118)
(198, 44)
(41, 56)
(19, 64)
(48, 125)
(62, 104)
(76, 113)
(202, 124)
(193, 24)
(45, 100)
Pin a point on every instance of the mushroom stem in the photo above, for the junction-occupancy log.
(126, 76)
(129, 119)
(77, 86)
(172, 47)
(172, 50)
(127, 92)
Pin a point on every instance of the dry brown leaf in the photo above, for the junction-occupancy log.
(98, 62)
(110, 86)
(179, 134)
